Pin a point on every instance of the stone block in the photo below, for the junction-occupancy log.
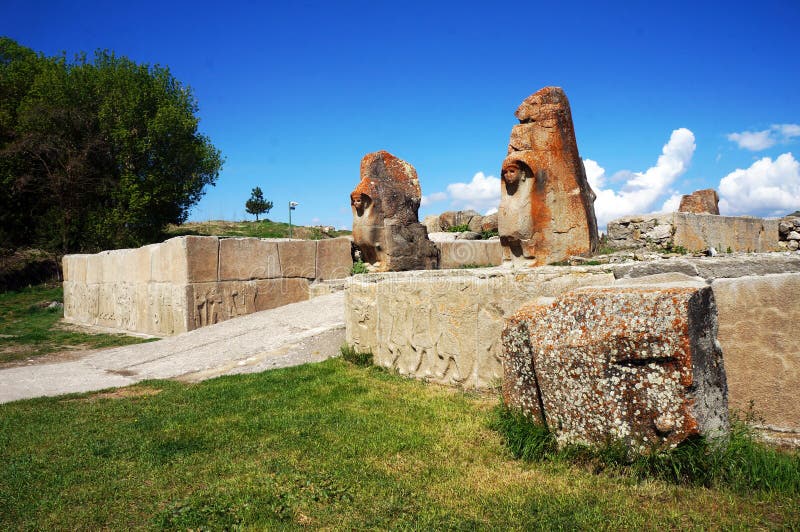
(138, 264)
(639, 365)
(81, 302)
(470, 252)
(168, 261)
(739, 233)
(758, 319)
(211, 303)
(74, 268)
(298, 258)
(334, 258)
(95, 264)
(164, 308)
(243, 259)
(361, 315)
(202, 259)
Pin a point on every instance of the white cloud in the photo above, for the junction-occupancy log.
(766, 188)
(672, 203)
(481, 194)
(433, 198)
(640, 193)
(761, 140)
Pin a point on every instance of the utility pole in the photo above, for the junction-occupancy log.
(292, 205)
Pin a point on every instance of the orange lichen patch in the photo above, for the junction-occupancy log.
(638, 365)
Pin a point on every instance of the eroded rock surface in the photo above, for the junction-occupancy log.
(704, 201)
(546, 208)
(637, 364)
(385, 207)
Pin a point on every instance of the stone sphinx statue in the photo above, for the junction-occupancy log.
(546, 208)
(385, 207)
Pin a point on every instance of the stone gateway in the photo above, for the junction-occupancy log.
(546, 208)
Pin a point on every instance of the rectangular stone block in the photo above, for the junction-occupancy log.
(212, 303)
(243, 259)
(81, 302)
(166, 308)
(74, 268)
(202, 259)
(639, 365)
(739, 233)
(298, 258)
(168, 261)
(461, 253)
(361, 315)
(94, 268)
(334, 258)
(137, 264)
(758, 319)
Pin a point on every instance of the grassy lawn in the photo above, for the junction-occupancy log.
(28, 328)
(260, 229)
(330, 446)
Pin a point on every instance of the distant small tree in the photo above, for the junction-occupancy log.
(257, 204)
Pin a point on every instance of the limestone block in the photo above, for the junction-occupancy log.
(211, 303)
(243, 259)
(432, 224)
(298, 258)
(165, 310)
(758, 319)
(138, 264)
(168, 261)
(470, 252)
(116, 305)
(94, 268)
(334, 258)
(74, 268)
(640, 365)
(361, 315)
(700, 201)
(739, 233)
(202, 259)
(81, 302)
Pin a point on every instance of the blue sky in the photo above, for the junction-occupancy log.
(666, 98)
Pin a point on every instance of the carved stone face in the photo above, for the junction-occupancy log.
(360, 202)
(512, 174)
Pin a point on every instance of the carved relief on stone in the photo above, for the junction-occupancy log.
(546, 208)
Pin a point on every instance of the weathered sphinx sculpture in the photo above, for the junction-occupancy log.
(385, 207)
(546, 208)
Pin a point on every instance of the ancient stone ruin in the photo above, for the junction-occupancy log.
(638, 365)
(386, 226)
(546, 209)
(190, 282)
(704, 201)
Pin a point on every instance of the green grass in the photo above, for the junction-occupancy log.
(352, 355)
(29, 329)
(260, 229)
(737, 463)
(330, 446)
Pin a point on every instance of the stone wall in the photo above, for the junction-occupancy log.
(695, 232)
(446, 326)
(189, 282)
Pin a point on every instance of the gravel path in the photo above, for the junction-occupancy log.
(309, 331)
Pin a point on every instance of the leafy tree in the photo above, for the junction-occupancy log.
(256, 204)
(95, 154)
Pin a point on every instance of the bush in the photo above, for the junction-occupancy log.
(458, 228)
(359, 267)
